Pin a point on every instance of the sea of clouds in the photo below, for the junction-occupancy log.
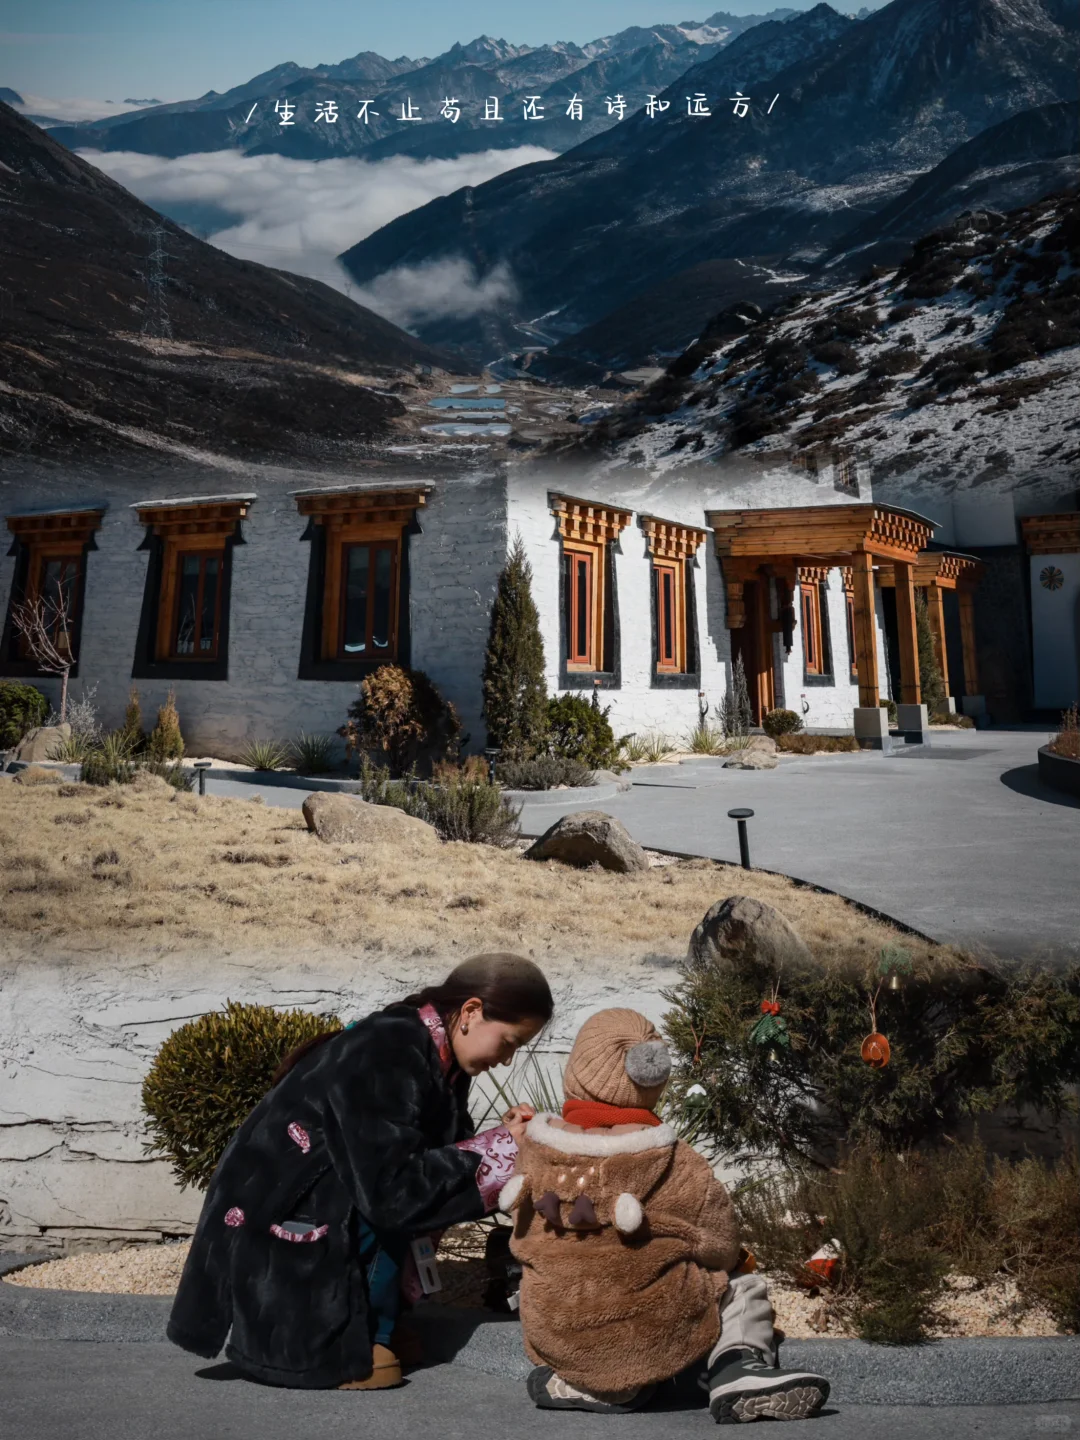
(299, 215)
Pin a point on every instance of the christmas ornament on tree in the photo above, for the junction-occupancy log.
(771, 1030)
(875, 1051)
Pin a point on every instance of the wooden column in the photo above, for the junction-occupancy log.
(862, 581)
(910, 689)
(935, 604)
(967, 637)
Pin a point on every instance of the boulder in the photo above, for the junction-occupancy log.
(740, 931)
(590, 837)
(752, 760)
(348, 820)
(762, 742)
(39, 743)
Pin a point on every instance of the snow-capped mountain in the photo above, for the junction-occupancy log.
(862, 109)
(957, 371)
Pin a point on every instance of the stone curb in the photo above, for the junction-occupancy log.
(946, 1372)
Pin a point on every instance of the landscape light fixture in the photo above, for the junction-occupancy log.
(492, 752)
(741, 816)
(202, 766)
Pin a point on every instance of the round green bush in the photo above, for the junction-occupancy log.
(781, 722)
(210, 1074)
(579, 730)
(22, 708)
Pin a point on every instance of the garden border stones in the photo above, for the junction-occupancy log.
(943, 1372)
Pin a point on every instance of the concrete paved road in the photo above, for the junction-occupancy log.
(62, 1390)
(961, 841)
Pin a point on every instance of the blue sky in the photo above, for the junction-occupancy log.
(176, 49)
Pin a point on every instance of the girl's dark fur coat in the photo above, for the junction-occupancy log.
(364, 1125)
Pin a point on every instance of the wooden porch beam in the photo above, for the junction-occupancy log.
(910, 688)
(935, 604)
(862, 580)
(967, 640)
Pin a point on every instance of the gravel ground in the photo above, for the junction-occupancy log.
(969, 1308)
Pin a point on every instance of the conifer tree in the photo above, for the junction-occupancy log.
(931, 680)
(515, 691)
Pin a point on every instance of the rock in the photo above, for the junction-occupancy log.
(38, 744)
(38, 775)
(764, 743)
(752, 760)
(740, 931)
(590, 837)
(608, 777)
(348, 820)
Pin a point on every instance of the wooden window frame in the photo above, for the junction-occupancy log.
(339, 543)
(378, 519)
(813, 650)
(675, 571)
(63, 536)
(849, 606)
(593, 558)
(169, 619)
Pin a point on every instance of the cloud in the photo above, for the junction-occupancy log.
(299, 215)
(72, 112)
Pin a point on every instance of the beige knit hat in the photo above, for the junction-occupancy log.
(618, 1059)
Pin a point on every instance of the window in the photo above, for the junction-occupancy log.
(183, 631)
(579, 605)
(50, 566)
(670, 579)
(849, 602)
(587, 530)
(811, 628)
(357, 608)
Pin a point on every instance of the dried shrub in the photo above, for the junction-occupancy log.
(839, 354)
(401, 714)
(22, 708)
(166, 742)
(210, 1074)
(894, 362)
(816, 744)
(1067, 741)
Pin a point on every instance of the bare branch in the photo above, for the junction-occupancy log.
(36, 621)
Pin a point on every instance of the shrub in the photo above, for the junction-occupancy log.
(109, 762)
(655, 747)
(964, 1038)
(890, 706)
(72, 751)
(22, 708)
(894, 362)
(166, 741)
(947, 717)
(1067, 741)
(171, 771)
(839, 354)
(401, 714)
(816, 744)
(736, 717)
(210, 1074)
(579, 730)
(706, 739)
(265, 755)
(930, 678)
(461, 808)
(781, 722)
(313, 754)
(901, 1221)
(132, 725)
(515, 691)
(543, 772)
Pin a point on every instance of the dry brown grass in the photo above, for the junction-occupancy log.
(143, 865)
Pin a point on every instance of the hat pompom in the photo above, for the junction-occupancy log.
(649, 1064)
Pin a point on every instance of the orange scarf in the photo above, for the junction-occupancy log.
(593, 1115)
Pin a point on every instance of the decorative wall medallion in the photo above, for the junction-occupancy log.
(1051, 578)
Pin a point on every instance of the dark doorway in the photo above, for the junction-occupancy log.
(892, 639)
(753, 642)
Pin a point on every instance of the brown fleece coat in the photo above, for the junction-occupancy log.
(620, 1289)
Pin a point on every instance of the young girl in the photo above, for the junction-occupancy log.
(363, 1144)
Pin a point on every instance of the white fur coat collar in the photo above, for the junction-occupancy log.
(595, 1142)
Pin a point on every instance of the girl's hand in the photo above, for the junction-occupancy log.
(516, 1119)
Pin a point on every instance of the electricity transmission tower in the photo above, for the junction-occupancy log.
(156, 320)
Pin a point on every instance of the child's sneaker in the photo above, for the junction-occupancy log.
(550, 1392)
(744, 1385)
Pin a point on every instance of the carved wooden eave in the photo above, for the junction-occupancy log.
(947, 569)
(66, 527)
(1052, 534)
(344, 509)
(825, 535)
(211, 519)
(812, 574)
(667, 540)
(588, 522)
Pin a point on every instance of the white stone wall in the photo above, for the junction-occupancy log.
(1055, 631)
(79, 1031)
(684, 497)
(454, 565)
